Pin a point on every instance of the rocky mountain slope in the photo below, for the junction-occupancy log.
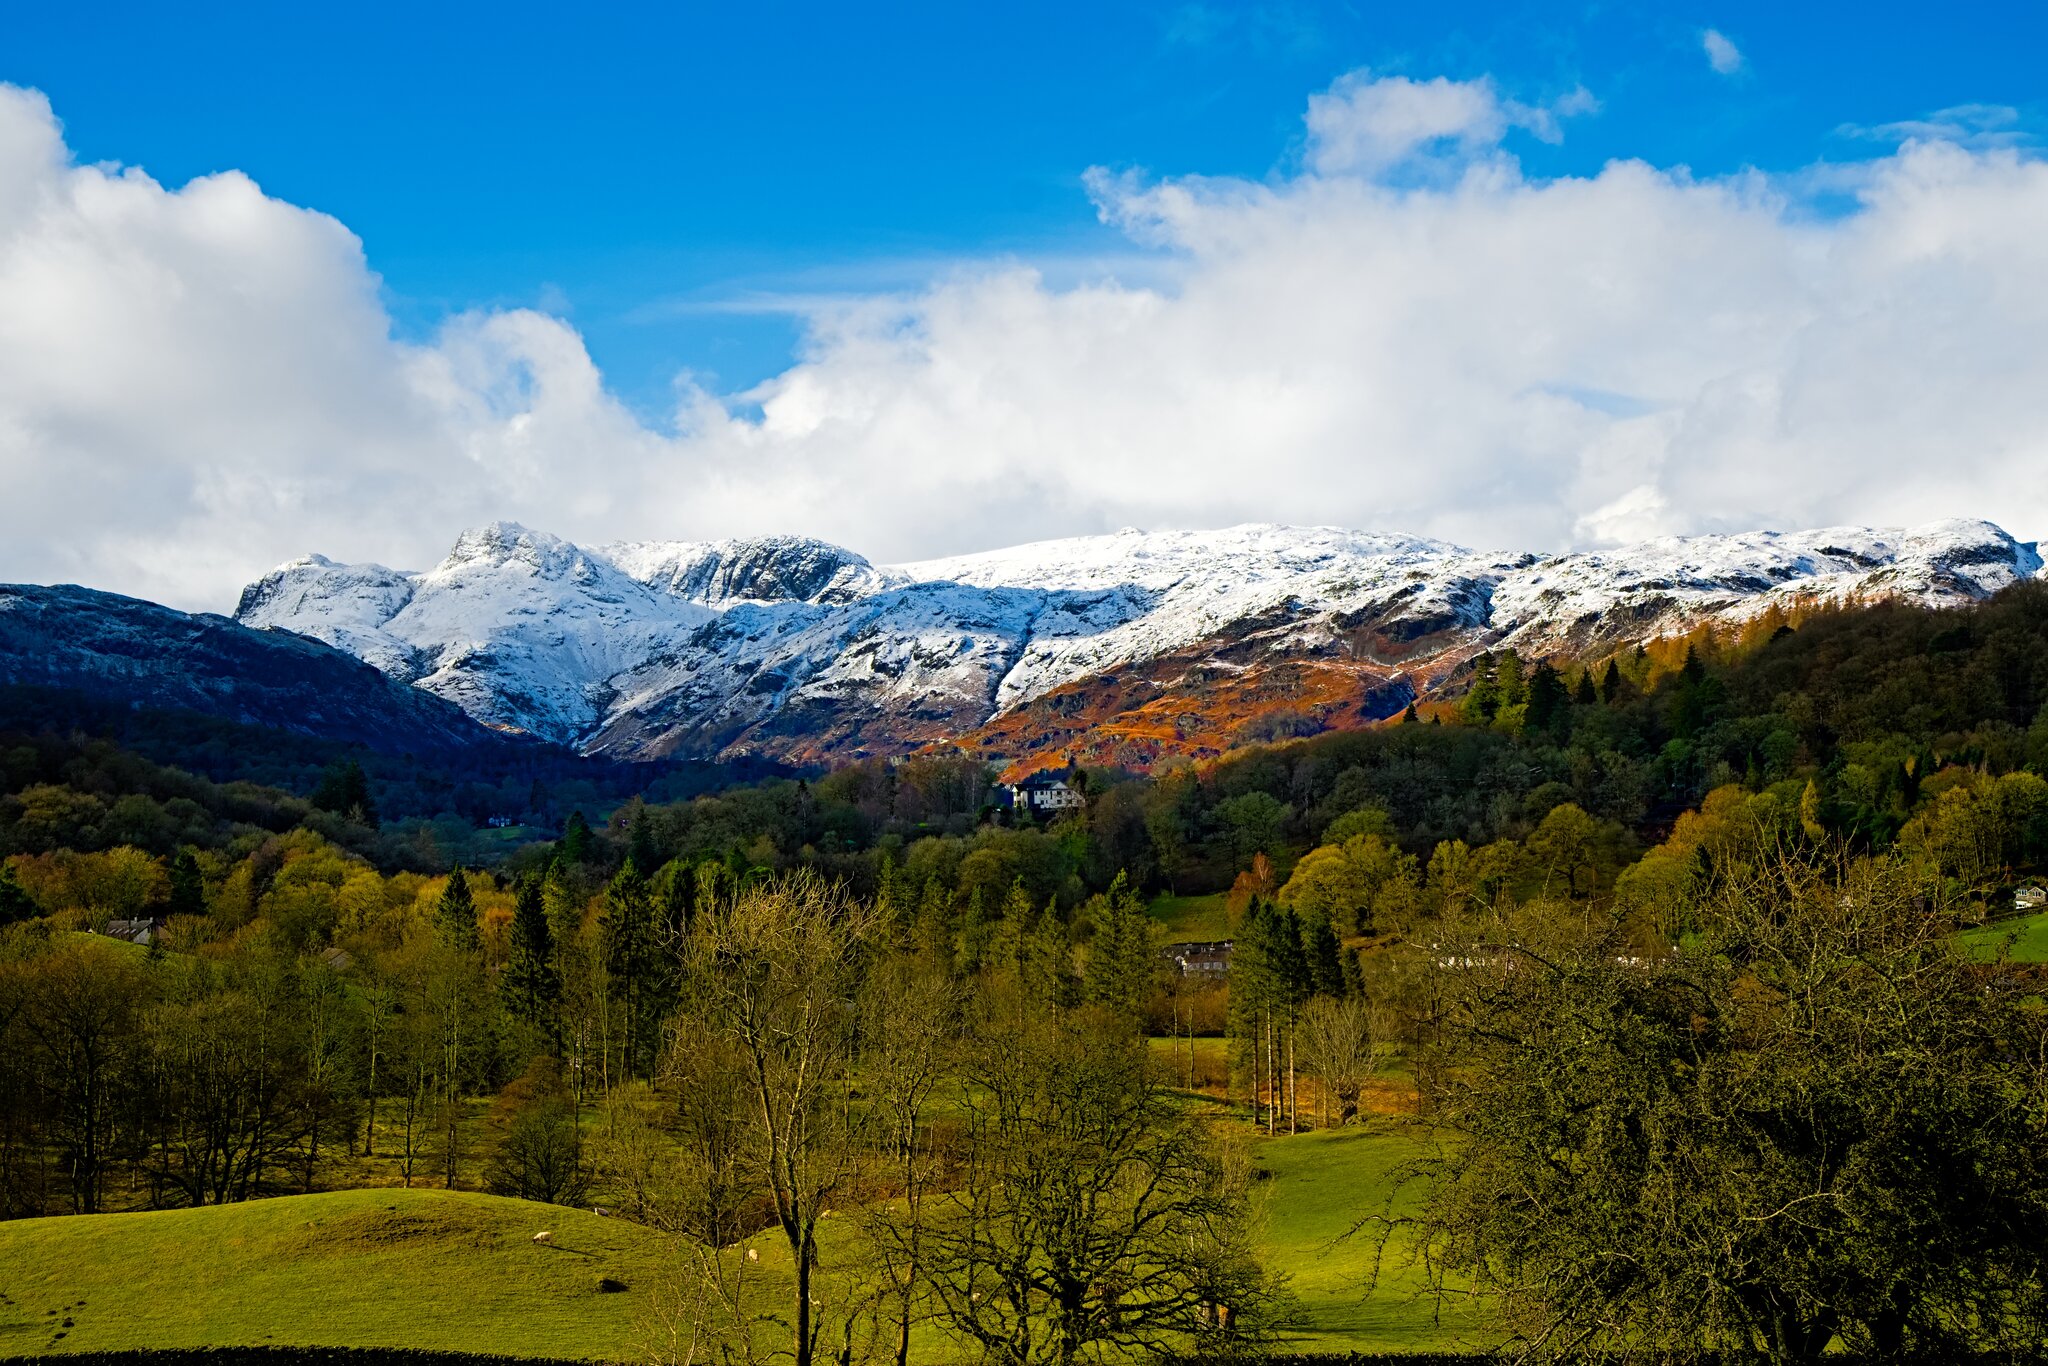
(1162, 642)
(137, 653)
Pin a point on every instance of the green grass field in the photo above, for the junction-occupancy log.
(1322, 1185)
(459, 1271)
(1192, 919)
(2028, 935)
(430, 1269)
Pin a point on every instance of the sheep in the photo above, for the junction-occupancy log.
(544, 1236)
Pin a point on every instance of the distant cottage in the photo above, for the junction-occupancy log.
(143, 931)
(1048, 791)
(1199, 960)
(2029, 899)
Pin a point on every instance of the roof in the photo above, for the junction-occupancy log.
(1047, 777)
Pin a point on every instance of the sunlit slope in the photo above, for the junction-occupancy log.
(427, 1269)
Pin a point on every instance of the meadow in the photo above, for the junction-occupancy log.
(460, 1271)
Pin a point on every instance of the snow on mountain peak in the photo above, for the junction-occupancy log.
(793, 645)
(756, 569)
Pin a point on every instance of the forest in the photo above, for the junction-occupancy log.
(1701, 905)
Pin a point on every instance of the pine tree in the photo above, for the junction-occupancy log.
(562, 899)
(1408, 716)
(532, 987)
(1482, 699)
(1509, 680)
(675, 898)
(627, 937)
(1610, 682)
(1325, 957)
(1122, 959)
(1583, 693)
(188, 887)
(455, 914)
(977, 927)
(15, 902)
(1049, 962)
(575, 843)
(345, 790)
(935, 920)
(1547, 696)
(640, 845)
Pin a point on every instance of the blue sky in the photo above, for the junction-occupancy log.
(927, 279)
(661, 175)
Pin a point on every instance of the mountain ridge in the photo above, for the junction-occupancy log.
(799, 649)
(140, 654)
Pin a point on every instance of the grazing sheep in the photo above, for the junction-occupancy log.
(544, 1236)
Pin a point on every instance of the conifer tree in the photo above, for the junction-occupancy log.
(627, 936)
(935, 919)
(1482, 699)
(532, 986)
(188, 887)
(1122, 958)
(1049, 961)
(1584, 694)
(345, 790)
(640, 846)
(1547, 696)
(1325, 957)
(977, 927)
(575, 843)
(455, 914)
(15, 902)
(1610, 682)
(1509, 679)
(674, 890)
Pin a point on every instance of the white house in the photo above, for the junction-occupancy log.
(1048, 792)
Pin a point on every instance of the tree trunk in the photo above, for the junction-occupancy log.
(1293, 1096)
(804, 1330)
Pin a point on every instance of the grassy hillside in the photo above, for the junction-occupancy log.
(428, 1269)
(460, 1272)
(2024, 939)
(1192, 919)
(1322, 1185)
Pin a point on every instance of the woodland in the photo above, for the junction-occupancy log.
(1690, 970)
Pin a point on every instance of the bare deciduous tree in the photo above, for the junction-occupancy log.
(1343, 1045)
(774, 972)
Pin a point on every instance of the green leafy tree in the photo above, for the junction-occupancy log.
(1814, 1121)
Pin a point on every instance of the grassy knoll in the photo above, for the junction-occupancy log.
(1192, 919)
(459, 1271)
(2027, 934)
(432, 1269)
(1322, 1184)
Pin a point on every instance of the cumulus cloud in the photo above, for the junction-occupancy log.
(1370, 125)
(1722, 54)
(1406, 332)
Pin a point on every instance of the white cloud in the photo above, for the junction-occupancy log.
(1979, 126)
(1722, 54)
(1370, 125)
(1408, 333)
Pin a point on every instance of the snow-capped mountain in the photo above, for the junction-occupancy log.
(796, 648)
